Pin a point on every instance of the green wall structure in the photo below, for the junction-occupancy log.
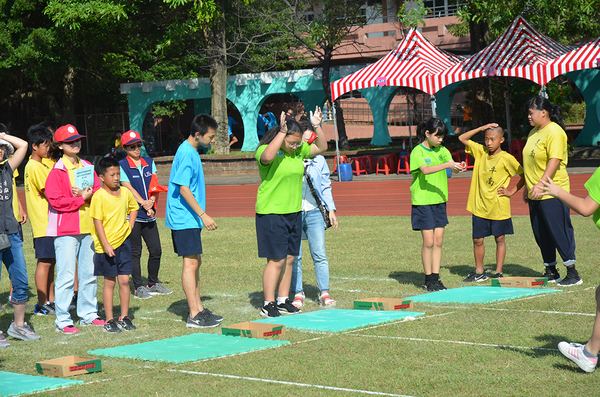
(248, 92)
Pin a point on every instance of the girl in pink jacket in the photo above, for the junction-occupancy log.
(69, 222)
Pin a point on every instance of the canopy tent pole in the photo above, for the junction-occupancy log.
(507, 107)
(433, 107)
(543, 92)
(337, 148)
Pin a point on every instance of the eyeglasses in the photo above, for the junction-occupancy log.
(133, 147)
(294, 145)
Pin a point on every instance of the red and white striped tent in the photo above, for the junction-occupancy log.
(414, 63)
(585, 57)
(521, 51)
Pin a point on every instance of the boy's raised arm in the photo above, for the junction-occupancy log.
(464, 138)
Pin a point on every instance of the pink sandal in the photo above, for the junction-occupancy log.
(326, 300)
(298, 300)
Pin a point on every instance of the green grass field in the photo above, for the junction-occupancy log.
(506, 348)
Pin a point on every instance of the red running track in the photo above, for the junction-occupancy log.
(371, 198)
(356, 198)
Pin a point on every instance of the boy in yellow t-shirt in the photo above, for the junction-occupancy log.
(36, 172)
(109, 208)
(489, 196)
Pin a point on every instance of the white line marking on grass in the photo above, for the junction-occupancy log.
(290, 383)
(527, 298)
(362, 279)
(457, 342)
(396, 322)
(539, 311)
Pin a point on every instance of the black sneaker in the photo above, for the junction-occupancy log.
(497, 275)
(201, 320)
(570, 280)
(270, 310)
(213, 316)
(287, 307)
(431, 286)
(482, 277)
(440, 286)
(125, 324)
(553, 276)
(111, 327)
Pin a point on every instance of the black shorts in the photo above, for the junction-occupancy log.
(44, 248)
(489, 227)
(278, 235)
(114, 266)
(428, 217)
(187, 242)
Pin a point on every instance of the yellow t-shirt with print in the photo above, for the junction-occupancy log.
(542, 145)
(112, 211)
(489, 174)
(36, 174)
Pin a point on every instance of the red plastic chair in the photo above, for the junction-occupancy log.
(456, 156)
(358, 165)
(385, 164)
(343, 159)
(404, 164)
(516, 149)
(369, 164)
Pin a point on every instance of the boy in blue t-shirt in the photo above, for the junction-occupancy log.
(185, 215)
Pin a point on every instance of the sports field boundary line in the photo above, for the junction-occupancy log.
(539, 311)
(458, 342)
(281, 382)
(326, 334)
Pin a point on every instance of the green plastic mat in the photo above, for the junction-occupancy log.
(479, 294)
(336, 320)
(187, 348)
(12, 384)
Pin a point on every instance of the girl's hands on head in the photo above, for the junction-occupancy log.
(283, 123)
(316, 118)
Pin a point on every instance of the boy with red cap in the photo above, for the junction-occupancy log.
(136, 175)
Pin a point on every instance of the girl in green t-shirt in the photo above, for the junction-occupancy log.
(278, 206)
(585, 356)
(429, 193)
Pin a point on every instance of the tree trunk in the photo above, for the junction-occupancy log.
(68, 115)
(325, 82)
(482, 108)
(215, 37)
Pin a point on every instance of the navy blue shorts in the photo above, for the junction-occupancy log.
(278, 235)
(428, 217)
(114, 266)
(187, 242)
(44, 248)
(489, 227)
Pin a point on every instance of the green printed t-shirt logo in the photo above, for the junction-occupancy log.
(428, 161)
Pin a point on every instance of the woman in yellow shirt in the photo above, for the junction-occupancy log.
(545, 157)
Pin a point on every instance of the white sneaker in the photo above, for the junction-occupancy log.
(574, 352)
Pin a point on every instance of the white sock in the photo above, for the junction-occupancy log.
(281, 299)
(266, 303)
